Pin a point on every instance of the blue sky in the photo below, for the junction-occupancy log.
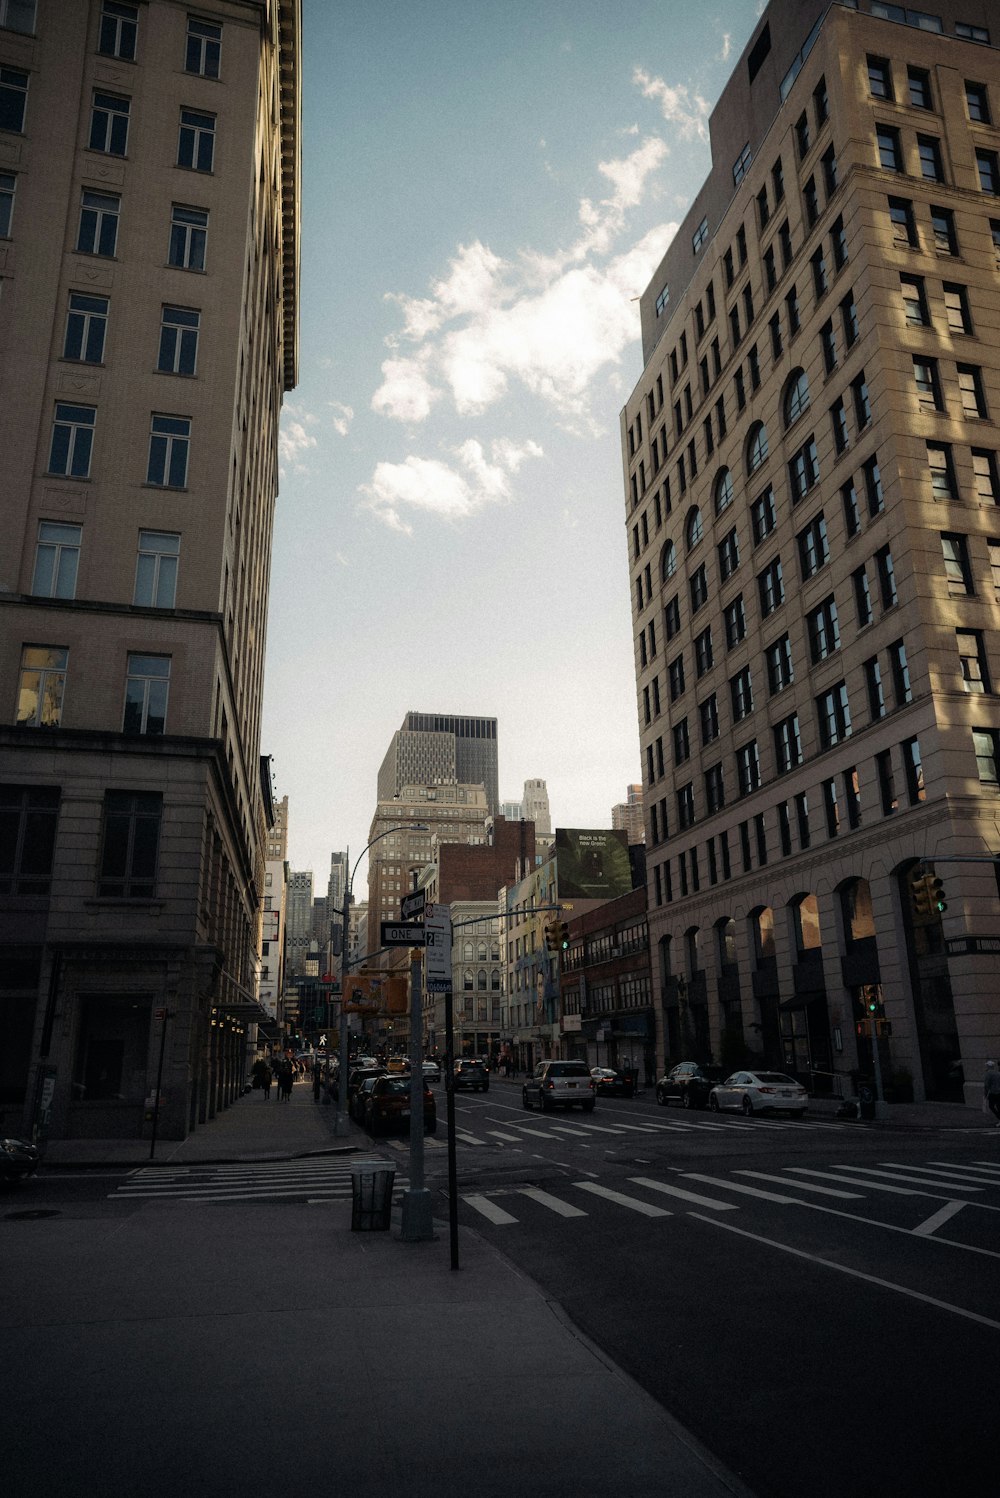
(485, 191)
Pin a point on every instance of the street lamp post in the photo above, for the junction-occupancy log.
(342, 1123)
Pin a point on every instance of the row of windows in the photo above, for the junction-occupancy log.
(100, 219)
(129, 849)
(918, 92)
(57, 561)
(86, 331)
(110, 118)
(72, 444)
(118, 33)
(42, 688)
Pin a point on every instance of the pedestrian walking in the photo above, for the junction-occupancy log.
(286, 1077)
(991, 1090)
(266, 1081)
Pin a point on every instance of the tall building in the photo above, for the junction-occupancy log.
(812, 478)
(299, 932)
(627, 815)
(445, 813)
(440, 749)
(149, 266)
(536, 806)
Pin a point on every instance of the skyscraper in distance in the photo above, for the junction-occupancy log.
(431, 747)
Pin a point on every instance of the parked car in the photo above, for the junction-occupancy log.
(432, 1072)
(689, 1083)
(470, 1072)
(759, 1092)
(560, 1084)
(612, 1083)
(355, 1080)
(388, 1105)
(18, 1159)
(398, 1063)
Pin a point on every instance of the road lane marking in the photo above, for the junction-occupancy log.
(508, 1138)
(489, 1210)
(868, 1170)
(990, 1165)
(827, 1175)
(538, 1133)
(978, 1172)
(871, 1279)
(632, 1202)
(761, 1175)
(554, 1203)
(932, 1223)
(934, 1177)
(767, 1196)
(687, 1196)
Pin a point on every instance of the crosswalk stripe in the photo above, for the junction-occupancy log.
(976, 1172)
(827, 1175)
(942, 1215)
(935, 1174)
(489, 1209)
(682, 1195)
(554, 1203)
(988, 1163)
(767, 1196)
(632, 1202)
(507, 1138)
(912, 1180)
(761, 1175)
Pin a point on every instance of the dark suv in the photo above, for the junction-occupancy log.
(689, 1084)
(471, 1073)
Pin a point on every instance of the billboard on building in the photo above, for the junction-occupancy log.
(592, 863)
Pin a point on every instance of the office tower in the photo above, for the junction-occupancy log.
(812, 481)
(405, 832)
(149, 204)
(298, 921)
(628, 815)
(536, 806)
(433, 748)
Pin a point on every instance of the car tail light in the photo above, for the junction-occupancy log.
(767, 1089)
(591, 1084)
(548, 1083)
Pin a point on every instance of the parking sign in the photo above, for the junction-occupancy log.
(437, 929)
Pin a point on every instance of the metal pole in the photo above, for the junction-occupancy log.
(159, 1080)
(449, 1073)
(342, 1123)
(418, 1225)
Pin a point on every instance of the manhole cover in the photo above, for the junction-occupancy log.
(31, 1214)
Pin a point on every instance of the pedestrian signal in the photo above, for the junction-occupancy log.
(562, 933)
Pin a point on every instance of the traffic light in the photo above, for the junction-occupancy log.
(562, 936)
(937, 903)
(551, 937)
(920, 895)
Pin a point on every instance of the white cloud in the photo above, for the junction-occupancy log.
(688, 110)
(294, 438)
(727, 47)
(405, 394)
(450, 491)
(342, 417)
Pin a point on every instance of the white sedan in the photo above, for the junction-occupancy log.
(759, 1092)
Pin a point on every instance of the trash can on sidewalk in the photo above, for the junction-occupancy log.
(371, 1196)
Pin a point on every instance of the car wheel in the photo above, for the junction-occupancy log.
(661, 1097)
(687, 1098)
(587, 1107)
(525, 1098)
(748, 1107)
(545, 1102)
(713, 1103)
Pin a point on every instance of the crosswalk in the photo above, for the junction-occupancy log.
(311, 1180)
(956, 1185)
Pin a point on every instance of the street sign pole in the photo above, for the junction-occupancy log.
(418, 1225)
(449, 1077)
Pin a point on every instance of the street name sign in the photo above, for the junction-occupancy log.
(402, 934)
(413, 905)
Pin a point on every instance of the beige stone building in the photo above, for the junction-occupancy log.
(149, 267)
(812, 480)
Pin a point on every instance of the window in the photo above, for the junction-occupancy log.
(774, 324)
(838, 240)
(763, 516)
(720, 416)
(921, 19)
(17, 15)
(741, 164)
(802, 138)
(715, 790)
(13, 99)
(8, 182)
(834, 716)
(862, 597)
(178, 352)
(672, 617)
(993, 548)
(913, 769)
(803, 470)
(778, 181)
(763, 211)
(787, 744)
(886, 783)
(682, 744)
(792, 311)
(972, 658)
(156, 570)
(886, 577)
(942, 470)
(698, 587)
(821, 101)
(828, 343)
(668, 561)
(28, 818)
(785, 240)
(685, 806)
(862, 401)
(831, 811)
(984, 468)
(873, 486)
(169, 446)
(955, 550)
(828, 161)
(838, 420)
(796, 396)
(196, 141)
(204, 46)
(814, 549)
(943, 229)
(852, 513)
(741, 694)
(810, 198)
(914, 301)
(753, 364)
(146, 689)
(57, 557)
(41, 685)
(919, 84)
(988, 167)
(978, 103)
(849, 317)
(873, 685)
(756, 447)
(852, 797)
(925, 377)
(119, 28)
(986, 745)
(708, 714)
(729, 554)
(929, 153)
(970, 384)
(904, 226)
(778, 658)
(98, 233)
(109, 124)
(771, 588)
(748, 768)
(131, 836)
(879, 78)
(890, 149)
(823, 630)
(675, 676)
(699, 236)
(86, 326)
(956, 303)
(723, 491)
(703, 653)
(972, 33)
(734, 617)
(72, 441)
(901, 687)
(821, 281)
(188, 237)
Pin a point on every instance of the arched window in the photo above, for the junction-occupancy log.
(723, 491)
(756, 446)
(467, 980)
(668, 561)
(481, 952)
(694, 529)
(856, 907)
(495, 979)
(691, 950)
(796, 396)
(763, 933)
(726, 937)
(481, 980)
(467, 951)
(805, 911)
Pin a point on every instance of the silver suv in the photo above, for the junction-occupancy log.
(560, 1083)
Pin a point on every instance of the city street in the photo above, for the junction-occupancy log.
(816, 1300)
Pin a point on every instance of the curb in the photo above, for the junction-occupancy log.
(258, 1159)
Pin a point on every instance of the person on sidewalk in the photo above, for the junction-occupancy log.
(991, 1090)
